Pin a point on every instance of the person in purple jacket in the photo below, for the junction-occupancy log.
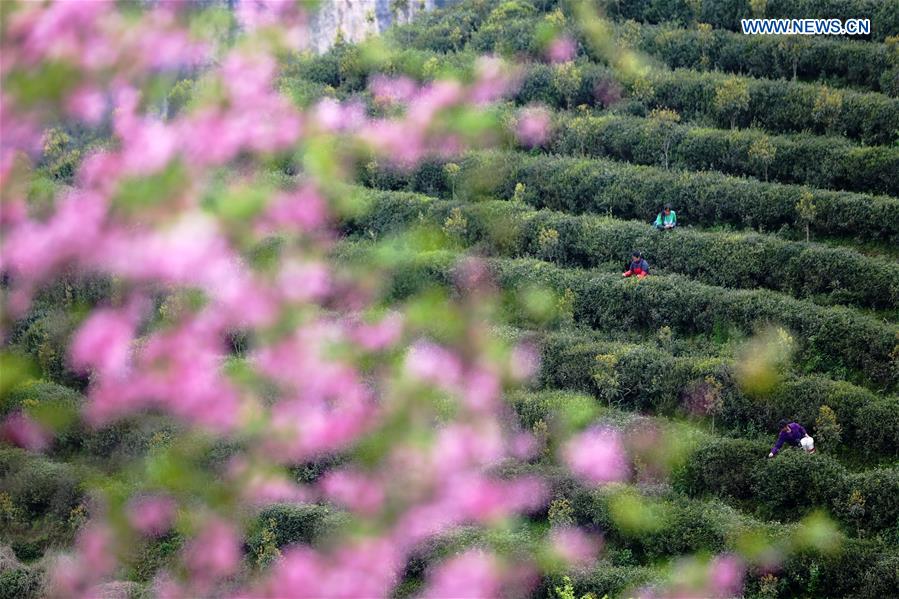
(791, 433)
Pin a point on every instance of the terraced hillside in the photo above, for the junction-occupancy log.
(775, 297)
(780, 159)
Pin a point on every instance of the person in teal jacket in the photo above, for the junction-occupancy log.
(667, 219)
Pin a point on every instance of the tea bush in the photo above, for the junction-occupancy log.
(830, 162)
(626, 191)
(731, 260)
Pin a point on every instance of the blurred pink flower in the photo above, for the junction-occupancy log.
(380, 335)
(299, 211)
(366, 568)
(533, 126)
(355, 490)
(214, 553)
(304, 281)
(726, 575)
(473, 274)
(432, 363)
(575, 546)
(152, 515)
(524, 363)
(561, 49)
(608, 92)
(104, 342)
(32, 250)
(597, 456)
(481, 389)
(21, 430)
(472, 574)
(493, 80)
(87, 103)
(393, 90)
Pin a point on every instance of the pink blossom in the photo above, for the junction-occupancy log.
(88, 104)
(524, 446)
(561, 49)
(430, 362)
(472, 574)
(473, 274)
(726, 575)
(575, 546)
(493, 80)
(20, 430)
(433, 98)
(367, 568)
(214, 553)
(261, 490)
(380, 335)
(597, 456)
(481, 389)
(331, 115)
(608, 92)
(301, 211)
(524, 363)
(104, 342)
(34, 250)
(304, 281)
(152, 515)
(355, 490)
(393, 90)
(533, 126)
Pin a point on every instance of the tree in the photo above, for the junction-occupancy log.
(452, 171)
(761, 154)
(828, 431)
(567, 79)
(794, 46)
(665, 123)
(758, 8)
(828, 108)
(806, 211)
(731, 98)
(704, 33)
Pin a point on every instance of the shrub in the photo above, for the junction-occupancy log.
(20, 583)
(722, 467)
(288, 524)
(726, 14)
(627, 191)
(41, 487)
(656, 379)
(610, 580)
(826, 162)
(726, 259)
(795, 483)
(777, 106)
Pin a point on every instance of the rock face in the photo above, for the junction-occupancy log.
(356, 19)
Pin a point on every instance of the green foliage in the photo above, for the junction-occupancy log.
(628, 191)
(656, 380)
(285, 524)
(790, 485)
(731, 260)
(560, 513)
(731, 98)
(20, 583)
(825, 162)
(726, 14)
(828, 431)
(778, 106)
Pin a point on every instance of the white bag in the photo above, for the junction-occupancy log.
(807, 443)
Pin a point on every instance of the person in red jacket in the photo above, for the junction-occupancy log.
(638, 266)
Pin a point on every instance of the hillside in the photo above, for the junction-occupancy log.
(353, 323)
